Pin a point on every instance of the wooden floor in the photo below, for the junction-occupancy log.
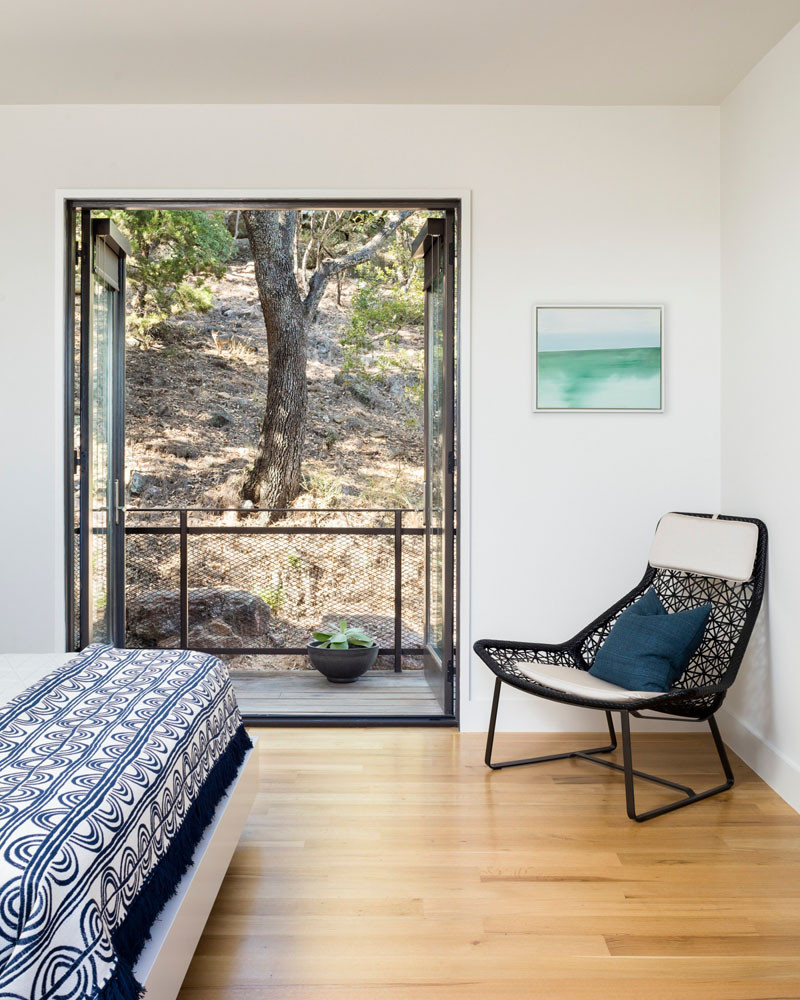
(306, 692)
(391, 863)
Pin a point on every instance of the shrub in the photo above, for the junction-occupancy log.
(172, 251)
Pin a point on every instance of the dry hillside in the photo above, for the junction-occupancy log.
(195, 393)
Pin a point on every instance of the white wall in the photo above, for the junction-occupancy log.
(567, 204)
(760, 365)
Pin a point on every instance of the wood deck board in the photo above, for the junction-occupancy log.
(306, 692)
(389, 864)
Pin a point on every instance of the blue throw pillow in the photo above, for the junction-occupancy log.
(648, 649)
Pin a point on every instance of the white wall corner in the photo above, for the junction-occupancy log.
(774, 767)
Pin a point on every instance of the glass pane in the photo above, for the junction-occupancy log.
(434, 628)
(103, 318)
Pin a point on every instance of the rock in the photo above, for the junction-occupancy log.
(220, 419)
(215, 633)
(218, 616)
(180, 449)
(355, 388)
(138, 484)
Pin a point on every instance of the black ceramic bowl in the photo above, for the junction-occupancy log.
(342, 666)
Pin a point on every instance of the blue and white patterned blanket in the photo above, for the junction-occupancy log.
(110, 769)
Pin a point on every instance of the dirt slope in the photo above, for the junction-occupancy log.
(194, 405)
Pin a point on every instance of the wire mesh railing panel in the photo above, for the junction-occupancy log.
(152, 591)
(413, 584)
(255, 587)
(282, 587)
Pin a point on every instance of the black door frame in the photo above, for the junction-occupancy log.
(435, 244)
(93, 234)
(452, 208)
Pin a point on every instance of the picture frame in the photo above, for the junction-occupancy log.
(598, 358)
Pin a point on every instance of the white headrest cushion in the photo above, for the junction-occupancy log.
(707, 546)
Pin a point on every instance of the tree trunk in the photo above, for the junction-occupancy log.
(273, 481)
(274, 478)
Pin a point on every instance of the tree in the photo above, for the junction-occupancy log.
(171, 251)
(291, 284)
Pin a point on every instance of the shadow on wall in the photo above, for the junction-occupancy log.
(751, 696)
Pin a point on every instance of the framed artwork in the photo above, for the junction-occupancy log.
(595, 359)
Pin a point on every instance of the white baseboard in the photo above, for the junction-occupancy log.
(780, 773)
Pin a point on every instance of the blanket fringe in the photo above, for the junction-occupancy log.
(161, 884)
(122, 985)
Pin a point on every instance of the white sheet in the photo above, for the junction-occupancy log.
(19, 670)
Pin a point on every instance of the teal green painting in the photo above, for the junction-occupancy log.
(599, 358)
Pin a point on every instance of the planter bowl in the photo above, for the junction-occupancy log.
(342, 666)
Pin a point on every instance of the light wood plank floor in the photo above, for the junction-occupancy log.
(392, 864)
(307, 692)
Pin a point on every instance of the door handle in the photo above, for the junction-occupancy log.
(118, 507)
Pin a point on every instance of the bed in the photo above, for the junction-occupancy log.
(126, 777)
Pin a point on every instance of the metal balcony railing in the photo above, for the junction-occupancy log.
(254, 587)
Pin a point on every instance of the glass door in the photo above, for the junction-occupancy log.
(436, 244)
(100, 454)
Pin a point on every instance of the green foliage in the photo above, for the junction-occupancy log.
(172, 252)
(273, 597)
(380, 310)
(342, 636)
(390, 297)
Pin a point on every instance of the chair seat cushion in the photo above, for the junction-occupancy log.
(579, 683)
(648, 649)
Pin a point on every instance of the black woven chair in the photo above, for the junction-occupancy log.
(696, 559)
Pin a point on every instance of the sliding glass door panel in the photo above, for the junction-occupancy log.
(101, 452)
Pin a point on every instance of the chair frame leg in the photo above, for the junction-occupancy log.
(691, 795)
(627, 768)
(586, 754)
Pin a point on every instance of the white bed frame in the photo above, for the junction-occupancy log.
(163, 964)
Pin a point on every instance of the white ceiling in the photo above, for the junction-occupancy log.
(384, 51)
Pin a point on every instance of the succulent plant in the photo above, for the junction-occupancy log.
(342, 636)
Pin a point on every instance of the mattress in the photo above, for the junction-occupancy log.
(111, 767)
(20, 670)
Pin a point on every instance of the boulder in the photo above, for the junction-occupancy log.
(358, 390)
(181, 449)
(219, 418)
(138, 483)
(218, 616)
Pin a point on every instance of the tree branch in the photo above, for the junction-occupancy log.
(324, 272)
